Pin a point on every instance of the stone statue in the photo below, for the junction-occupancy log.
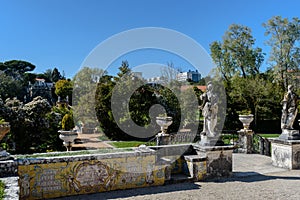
(209, 109)
(289, 109)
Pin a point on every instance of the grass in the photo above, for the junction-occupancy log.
(126, 144)
(2, 187)
(266, 135)
(227, 138)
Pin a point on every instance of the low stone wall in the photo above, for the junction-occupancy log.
(51, 177)
(65, 176)
(8, 168)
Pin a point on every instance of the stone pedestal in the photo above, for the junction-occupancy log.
(289, 135)
(210, 141)
(285, 153)
(162, 139)
(196, 166)
(245, 141)
(219, 159)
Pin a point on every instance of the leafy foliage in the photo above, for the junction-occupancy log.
(16, 68)
(246, 88)
(34, 125)
(139, 103)
(9, 87)
(285, 54)
(2, 188)
(55, 75)
(85, 84)
(236, 54)
(64, 88)
(67, 122)
(14, 78)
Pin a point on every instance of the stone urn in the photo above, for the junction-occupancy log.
(162, 138)
(68, 137)
(246, 120)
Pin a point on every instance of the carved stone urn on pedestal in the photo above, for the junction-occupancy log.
(162, 138)
(246, 120)
(68, 137)
(245, 134)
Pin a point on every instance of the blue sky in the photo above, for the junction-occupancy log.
(61, 33)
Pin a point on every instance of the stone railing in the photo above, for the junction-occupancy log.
(182, 137)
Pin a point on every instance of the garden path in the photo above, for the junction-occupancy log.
(90, 141)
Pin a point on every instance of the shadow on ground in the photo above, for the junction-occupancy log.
(131, 193)
(249, 177)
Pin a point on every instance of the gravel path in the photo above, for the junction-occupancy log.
(91, 141)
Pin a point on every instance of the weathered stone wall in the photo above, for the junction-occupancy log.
(8, 168)
(286, 153)
(51, 177)
(218, 160)
(65, 176)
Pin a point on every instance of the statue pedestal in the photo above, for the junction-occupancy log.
(289, 135)
(285, 153)
(245, 141)
(210, 141)
(219, 159)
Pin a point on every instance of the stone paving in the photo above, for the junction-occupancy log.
(254, 178)
(91, 141)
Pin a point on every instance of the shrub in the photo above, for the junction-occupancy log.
(68, 122)
(2, 187)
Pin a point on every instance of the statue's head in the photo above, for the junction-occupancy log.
(209, 86)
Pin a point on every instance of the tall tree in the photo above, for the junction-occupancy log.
(85, 83)
(238, 62)
(48, 75)
(284, 41)
(124, 69)
(16, 68)
(9, 87)
(15, 72)
(56, 76)
(236, 54)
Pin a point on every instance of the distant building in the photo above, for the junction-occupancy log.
(193, 76)
(138, 75)
(156, 80)
(40, 88)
